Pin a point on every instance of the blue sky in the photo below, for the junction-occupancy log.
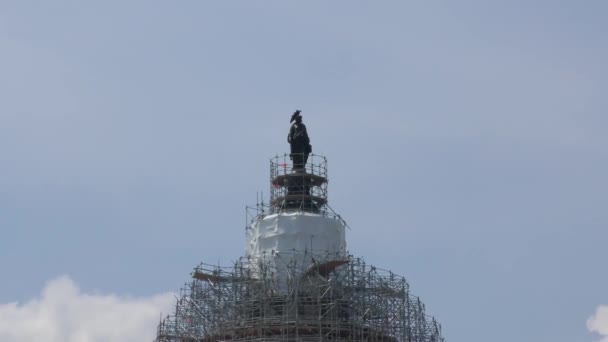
(466, 144)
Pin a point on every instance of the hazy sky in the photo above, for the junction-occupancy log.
(466, 142)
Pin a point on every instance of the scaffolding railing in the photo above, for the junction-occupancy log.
(282, 165)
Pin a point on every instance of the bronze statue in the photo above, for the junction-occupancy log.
(299, 141)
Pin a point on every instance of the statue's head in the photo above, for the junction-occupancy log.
(296, 116)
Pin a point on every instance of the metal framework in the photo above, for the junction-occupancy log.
(297, 296)
(336, 298)
(298, 189)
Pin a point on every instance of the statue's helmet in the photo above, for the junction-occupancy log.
(295, 115)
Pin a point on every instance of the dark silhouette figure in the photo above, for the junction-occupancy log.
(299, 142)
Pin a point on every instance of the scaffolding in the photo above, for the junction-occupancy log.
(293, 189)
(297, 295)
(334, 298)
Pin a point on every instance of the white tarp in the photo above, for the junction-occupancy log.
(296, 232)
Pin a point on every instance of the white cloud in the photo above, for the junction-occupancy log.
(598, 323)
(63, 313)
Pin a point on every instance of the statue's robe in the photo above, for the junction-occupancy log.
(300, 144)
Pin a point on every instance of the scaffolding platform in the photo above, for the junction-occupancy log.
(291, 179)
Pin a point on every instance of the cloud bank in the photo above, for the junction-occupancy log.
(598, 323)
(62, 313)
